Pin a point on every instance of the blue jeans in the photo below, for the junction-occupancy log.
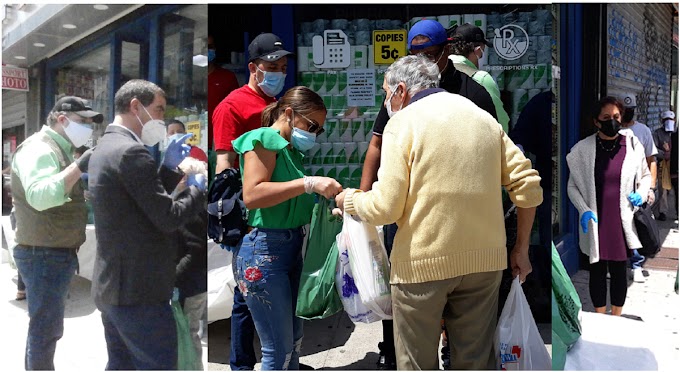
(47, 273)
(140, 337)
(267, 269)
(636, 260)
(242, 356)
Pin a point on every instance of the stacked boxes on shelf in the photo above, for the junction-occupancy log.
(341, 150)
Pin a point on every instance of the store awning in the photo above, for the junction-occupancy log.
(32, 32)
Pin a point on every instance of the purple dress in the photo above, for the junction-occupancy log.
(608, 163)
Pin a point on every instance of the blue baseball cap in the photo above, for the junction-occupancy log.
(428, 28)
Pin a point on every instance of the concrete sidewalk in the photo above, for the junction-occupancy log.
(82, 348)
(331, 343)
(653, 302)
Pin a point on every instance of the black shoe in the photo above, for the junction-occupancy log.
(385, 364)
(662, 217)
(304, 367)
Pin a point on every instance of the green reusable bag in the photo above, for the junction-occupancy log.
(566, 305)
(317, 296)
(186, 354)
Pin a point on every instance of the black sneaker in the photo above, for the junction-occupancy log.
(385, 364)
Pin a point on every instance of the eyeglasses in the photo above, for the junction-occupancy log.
(433, 56)
(313, 126)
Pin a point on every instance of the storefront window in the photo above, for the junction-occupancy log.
(88, 77)
(131, 62)
(185, 75)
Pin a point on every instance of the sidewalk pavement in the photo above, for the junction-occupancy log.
(334, 343)
(653, 302)
(82, 348)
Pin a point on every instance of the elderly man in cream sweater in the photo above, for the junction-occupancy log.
(445, 160)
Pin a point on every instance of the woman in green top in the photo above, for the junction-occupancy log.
(277, 193)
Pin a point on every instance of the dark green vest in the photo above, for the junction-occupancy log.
(58, 227)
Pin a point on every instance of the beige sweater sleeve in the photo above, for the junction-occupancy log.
(386, 201)
(519, 179)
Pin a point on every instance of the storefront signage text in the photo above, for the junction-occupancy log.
(15, 78)
(361, 87)
(388, 46)
(195, 128)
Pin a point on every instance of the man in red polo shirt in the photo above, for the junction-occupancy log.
(221, 82)
(242, 110)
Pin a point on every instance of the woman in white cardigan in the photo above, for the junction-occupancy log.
(609, 178)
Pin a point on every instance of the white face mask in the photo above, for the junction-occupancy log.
(153, 131)
(669, 125)
(78, 133)
(480, 57)
(388, 104)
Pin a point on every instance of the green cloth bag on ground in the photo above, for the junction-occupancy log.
(566, 306)
(186, 354)
(317, 297)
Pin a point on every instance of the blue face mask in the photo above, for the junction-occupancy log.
(211, 55)
(303, 140)
(272, 83)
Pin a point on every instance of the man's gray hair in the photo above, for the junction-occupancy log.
(416, 71)
(144, 91)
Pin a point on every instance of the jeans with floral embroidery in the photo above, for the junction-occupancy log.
(267, 269)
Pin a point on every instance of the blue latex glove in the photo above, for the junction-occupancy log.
(175, 294)
(197, 180)
(224, 246)
(85, 177)
(177, 151)
(585, 217)
(635, 199)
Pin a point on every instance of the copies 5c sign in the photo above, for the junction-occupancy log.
(388, 46)
(14, 78)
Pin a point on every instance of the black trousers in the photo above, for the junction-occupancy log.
(618, 285)
(387, 346)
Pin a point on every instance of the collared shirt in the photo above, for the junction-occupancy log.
(485, 79)
(37, 166)
(129, 130)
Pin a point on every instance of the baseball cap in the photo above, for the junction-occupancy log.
(469, 33)
(668, 115)
(78, 106)
(267, 47)
(629, 100)
(430, 29)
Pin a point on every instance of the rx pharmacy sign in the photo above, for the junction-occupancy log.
(510, 42)
(15, 78)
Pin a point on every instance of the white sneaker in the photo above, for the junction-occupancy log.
(638, 277)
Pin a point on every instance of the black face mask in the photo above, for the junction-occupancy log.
(628, 115)
(609, 127)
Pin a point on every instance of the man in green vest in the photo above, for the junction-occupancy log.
(467, 48)
(51, 216)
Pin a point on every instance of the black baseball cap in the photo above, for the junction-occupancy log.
(267, 47)
(79, 106)
(469, 33)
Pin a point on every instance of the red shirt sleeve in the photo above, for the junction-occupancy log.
(227, 126)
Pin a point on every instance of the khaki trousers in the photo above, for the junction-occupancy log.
(469, 304)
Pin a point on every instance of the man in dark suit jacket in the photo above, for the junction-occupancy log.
(134, 272)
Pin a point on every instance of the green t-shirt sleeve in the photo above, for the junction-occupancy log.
(268, 138)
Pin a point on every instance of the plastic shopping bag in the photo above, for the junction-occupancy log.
(347, 289)
(317, 297)
(517, 343)
(186, 354)
(369, 263)
(566, 309)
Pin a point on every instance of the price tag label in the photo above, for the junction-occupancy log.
(388, 46)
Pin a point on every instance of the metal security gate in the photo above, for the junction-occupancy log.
(13, 108)
(639, 55)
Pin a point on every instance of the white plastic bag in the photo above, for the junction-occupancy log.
(369, 263)
(347, 289)
(517, 343)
